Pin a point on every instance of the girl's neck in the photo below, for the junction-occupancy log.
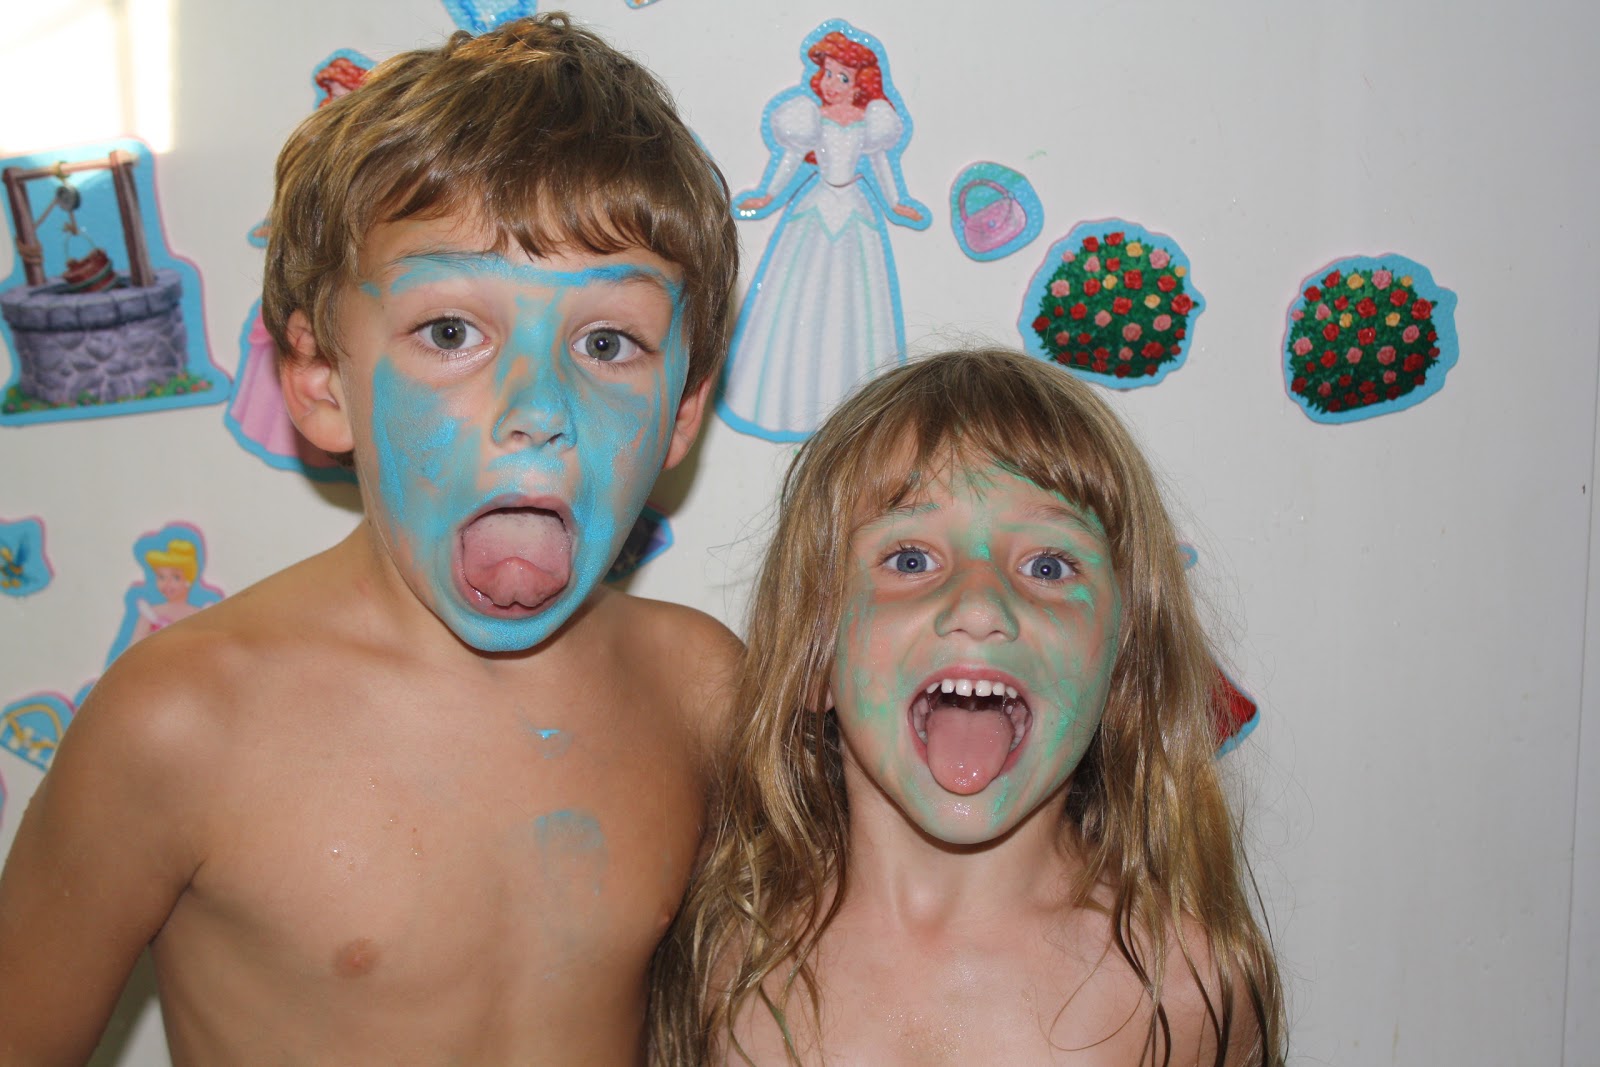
(911, 878)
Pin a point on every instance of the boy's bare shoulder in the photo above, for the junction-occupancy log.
(686, 649)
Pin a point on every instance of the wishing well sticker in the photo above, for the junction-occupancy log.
(256, 416)
(1234, 714)
(1112, 302)
(24, 567)
(823, 311)
(1368, 335)
(100, 317)
(993, 211)
(174, 560)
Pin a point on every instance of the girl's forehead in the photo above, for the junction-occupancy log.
(907, 489)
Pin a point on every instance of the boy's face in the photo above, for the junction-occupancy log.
(999, 597)
(509, 416)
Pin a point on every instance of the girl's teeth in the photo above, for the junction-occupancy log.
(967, 687)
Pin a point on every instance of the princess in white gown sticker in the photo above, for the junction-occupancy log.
(823, 311)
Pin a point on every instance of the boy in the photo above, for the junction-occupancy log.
(431, 796)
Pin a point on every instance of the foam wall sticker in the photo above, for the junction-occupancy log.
(1366, 336)
(1112, 302)
(24, 567)
(823, 309)
(481, 16)
(650, 536)
(31, 728)
(173, 559)
(256, 416)
(100, 318)
(993, 211)
(1234, 714)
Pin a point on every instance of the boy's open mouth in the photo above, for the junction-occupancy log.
(515, 559)
(970, 727)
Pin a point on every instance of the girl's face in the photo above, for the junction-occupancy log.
(838, 85)
(974, 653)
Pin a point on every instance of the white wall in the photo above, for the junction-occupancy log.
(1406, 596)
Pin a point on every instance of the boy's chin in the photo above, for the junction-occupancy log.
(510, 630)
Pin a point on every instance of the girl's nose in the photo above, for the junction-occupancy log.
(977, 604)
(535, 404)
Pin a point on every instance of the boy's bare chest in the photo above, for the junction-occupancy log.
(524, 850)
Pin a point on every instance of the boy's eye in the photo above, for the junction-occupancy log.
(1047, 568)
(450, 334)
(911, 561)
(607, 345)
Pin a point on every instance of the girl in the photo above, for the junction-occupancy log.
(972, 813)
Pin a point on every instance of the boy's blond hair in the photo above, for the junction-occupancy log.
(538, 129)
(1144, 809)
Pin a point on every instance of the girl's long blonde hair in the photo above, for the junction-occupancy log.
(1144, 809)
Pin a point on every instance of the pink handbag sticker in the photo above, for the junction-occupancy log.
(993, 211)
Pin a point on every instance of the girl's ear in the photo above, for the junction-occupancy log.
(313, 390)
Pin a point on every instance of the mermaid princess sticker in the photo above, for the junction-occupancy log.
(823, 310)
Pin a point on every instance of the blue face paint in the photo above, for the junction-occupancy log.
(537, 425)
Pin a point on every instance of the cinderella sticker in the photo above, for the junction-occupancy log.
(823, 311)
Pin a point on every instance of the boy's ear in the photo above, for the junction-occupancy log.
(313, 391)
(686, 427)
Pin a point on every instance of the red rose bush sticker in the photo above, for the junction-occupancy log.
(1368, 335)
(1113, 302)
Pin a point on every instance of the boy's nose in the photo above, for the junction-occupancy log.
(976, 604)
(535, 405)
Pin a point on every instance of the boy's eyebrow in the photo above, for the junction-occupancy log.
(397, 270)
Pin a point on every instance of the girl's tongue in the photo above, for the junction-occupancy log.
(966, 749)
(517, 557)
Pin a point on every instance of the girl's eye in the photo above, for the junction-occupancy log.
(606, 344)
(449, 334)
(1048, 567)
(911, 561)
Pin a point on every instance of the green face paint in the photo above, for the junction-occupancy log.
(1004, 592)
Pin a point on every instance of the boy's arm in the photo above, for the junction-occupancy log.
(105, 849)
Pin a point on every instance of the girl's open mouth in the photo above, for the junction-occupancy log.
(970, 728)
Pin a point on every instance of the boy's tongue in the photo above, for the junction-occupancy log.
(518, 557)
(966, 749)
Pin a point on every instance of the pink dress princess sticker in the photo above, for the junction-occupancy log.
(256, 415)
